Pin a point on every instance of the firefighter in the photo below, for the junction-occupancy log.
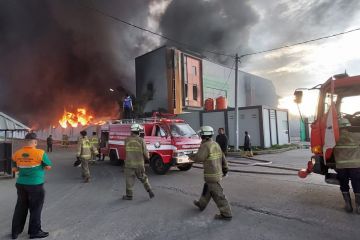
(136, 153)
(348, 165)
(95, 143)
(84, 152)
(30, 162)
(215, 167)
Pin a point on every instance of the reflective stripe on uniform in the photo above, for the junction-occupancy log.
(33, 166)
(133, 148)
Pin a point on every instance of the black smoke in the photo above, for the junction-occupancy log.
(220, 26)
(59, 54)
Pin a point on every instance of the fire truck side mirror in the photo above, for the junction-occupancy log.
(298, 96)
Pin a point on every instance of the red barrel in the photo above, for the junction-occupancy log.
(209, 105)
(221, 103)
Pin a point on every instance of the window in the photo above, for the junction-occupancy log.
(181, 130)
(195, 92)
(160, 132)
(350, 105)
(327, 101)
(194, 70)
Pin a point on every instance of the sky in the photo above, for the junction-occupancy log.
(60, 54)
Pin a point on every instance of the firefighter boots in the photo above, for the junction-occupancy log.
(151, 193)
(197, 203)
(357, 203)
(126, 197)
(347, 199)
(222, 217)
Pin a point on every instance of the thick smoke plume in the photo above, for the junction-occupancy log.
(220, 26)
(58, 54)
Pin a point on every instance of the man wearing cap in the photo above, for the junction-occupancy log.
(136, 153)
(84, 152)
(215, 167)
(30, 162)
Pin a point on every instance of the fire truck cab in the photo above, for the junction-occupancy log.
(337, 119)
(169, 142)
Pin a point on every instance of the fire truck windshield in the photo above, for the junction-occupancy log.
(181, 130)
(350, 105)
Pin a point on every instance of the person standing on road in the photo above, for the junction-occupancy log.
(215, 167)
(136, 153)
(95, 143)
(30, 162)
(49, 143)
(127, 106)
(84, 152)
(222, 140)
(348, 166)
(247, 145)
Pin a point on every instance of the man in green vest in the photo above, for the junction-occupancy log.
(136, 153)
(347, 158)
(215, 167)
(84, 152)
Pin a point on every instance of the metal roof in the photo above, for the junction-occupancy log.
(8, 123)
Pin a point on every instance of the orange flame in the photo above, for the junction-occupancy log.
(75, 118)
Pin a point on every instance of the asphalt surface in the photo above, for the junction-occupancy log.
(265, 206)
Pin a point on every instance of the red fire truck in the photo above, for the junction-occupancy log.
(168, 140)
(338, 112)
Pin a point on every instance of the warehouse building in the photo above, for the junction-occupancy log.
(179, 82)
(173, 80)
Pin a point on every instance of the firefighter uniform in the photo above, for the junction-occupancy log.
(84, 152)
(31, 163)
(347, 157)
(136, 153)
(215, 166)
(95, 142)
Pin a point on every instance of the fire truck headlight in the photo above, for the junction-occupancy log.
(178, 154)
(316, 149)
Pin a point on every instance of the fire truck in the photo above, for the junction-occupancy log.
(338, 116)
(169, 141)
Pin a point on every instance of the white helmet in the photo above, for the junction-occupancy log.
(136, 127)
(206, 131)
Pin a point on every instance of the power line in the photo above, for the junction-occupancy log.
(152, 32)
(300, 43)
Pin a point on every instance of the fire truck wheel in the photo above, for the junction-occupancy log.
(185, 167)
(158, 166)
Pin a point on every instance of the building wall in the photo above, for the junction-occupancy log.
(192, 118)
(215, 120)
(151, 70)
(219, 80)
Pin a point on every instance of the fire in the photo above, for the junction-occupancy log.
(73, 119)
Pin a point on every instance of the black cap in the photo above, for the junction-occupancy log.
(83, 133)
(31, 136)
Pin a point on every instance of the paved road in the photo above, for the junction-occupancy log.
(264, 206)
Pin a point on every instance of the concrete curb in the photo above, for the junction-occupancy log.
(261, 152)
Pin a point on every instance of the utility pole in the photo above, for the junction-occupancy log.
(237, 59)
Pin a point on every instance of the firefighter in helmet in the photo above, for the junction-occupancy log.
(136, 153)
(95, 143)
(84, 152)
(215, 167)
